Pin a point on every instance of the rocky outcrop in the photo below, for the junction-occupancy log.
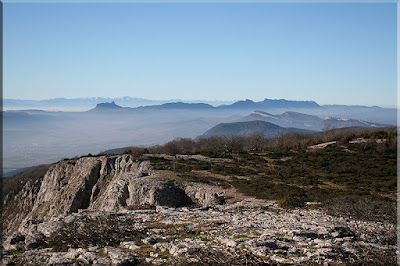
(88, 211)
(17, 207)
(256, 232)
(107, 183)
(71, 185)
(128, 193)
(205, 195)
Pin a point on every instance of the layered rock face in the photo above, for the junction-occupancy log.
(72, 185)
(107, 183)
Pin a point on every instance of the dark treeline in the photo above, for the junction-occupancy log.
(256, 142)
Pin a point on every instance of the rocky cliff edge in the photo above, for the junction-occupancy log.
(107, 183)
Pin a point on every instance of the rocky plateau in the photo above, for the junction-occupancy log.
(116, 210)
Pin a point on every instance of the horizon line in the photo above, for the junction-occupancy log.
(200, 101)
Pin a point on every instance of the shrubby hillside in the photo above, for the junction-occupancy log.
(295, 198)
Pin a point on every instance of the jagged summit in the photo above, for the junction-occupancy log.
(107, 107)
(111, 105)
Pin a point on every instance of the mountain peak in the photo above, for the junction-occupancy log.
(110, 105)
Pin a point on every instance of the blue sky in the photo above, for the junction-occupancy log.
(330, 53)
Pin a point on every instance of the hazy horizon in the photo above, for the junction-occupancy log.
(214, 102)
(333, 54)
(328, 53)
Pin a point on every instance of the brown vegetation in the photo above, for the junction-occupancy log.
(220, 146)
(282, 168)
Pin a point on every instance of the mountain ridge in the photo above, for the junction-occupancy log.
(125, 101)
(250, 127)
(272, 103)
(239, 105)
(306, 121)
(133, 102)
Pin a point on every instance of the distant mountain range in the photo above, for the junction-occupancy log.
(305, 121)
(239, 108)
(32, 136)
(172, 106)
(347, 122)
(286, 119)
(270, 104)
(92, 101)
(240, 105)
(249, 127)
(136, 102)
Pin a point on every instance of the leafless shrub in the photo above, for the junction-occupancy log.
(362, 208)
(211, 144)
(136, 151)
(257, 142)
(179, 146)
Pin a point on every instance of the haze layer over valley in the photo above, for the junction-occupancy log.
(34, 137)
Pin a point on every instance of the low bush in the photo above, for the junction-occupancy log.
(362, 208)
(292, 201)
